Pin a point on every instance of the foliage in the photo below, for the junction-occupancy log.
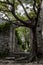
(4, 26)
(23, 37)
(7, 7)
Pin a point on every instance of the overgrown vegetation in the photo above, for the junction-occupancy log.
(7, 6)
(4, 26)
(23, 38)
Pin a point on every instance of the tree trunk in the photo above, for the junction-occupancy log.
(34, 43)
(34, 47)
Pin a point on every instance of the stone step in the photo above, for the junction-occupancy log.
(10, 58)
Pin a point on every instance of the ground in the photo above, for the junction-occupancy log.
(10, 62)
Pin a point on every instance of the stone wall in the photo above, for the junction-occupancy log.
(4, 42)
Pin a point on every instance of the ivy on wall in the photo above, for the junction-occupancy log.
(23, 38)
(4, 26)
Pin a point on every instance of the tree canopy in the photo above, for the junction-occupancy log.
(9, 8)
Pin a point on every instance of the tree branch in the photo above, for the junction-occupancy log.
(4, 10)
(27, 24)
(25, 10)
(15, 23)
(34, 6)
(5, 19)
(6, 2)
(38, 13)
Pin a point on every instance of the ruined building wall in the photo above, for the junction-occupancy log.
(4, 40)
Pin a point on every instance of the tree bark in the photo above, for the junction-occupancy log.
(34, 43)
